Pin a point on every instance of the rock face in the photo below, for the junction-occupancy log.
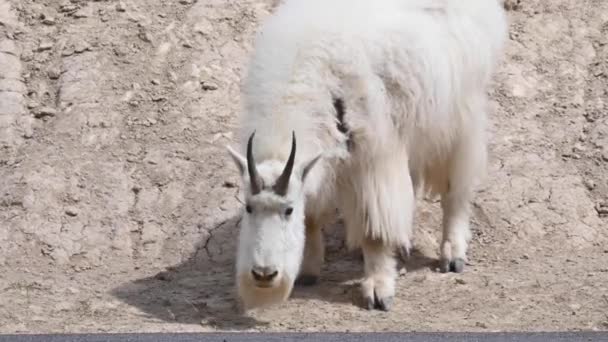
(119, 205)
(14, 122)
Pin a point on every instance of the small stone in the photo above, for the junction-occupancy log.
(54, 73)
(578, 148)
(229, 184)
(27, 55)
(512, 5)
(28, 133)
(187, 45)
(152, 121)
(145, 36)
(460, 281)
(481, 325)
(602, 208)
(120, 51)
(185, 2)
(164, 276)
(155, 82)
(71, 212)
(48, 20)
(67, 8)
(45, 45)
(605, 156)
(209, 86)
(83, 13)
(589, 184)
(120, 6)
(44, 112)
(575, 307)
(67, 52)
(589, 118)
(172, 76)
(81, 47)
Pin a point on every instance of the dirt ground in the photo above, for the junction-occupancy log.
(119, 204)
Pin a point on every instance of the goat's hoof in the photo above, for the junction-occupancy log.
(378, 291)
(382, 303)
(456, 265)
(307, 280)
(404, 253)
(444, 265)
(370, 303)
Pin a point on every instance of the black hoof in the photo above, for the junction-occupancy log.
(404, 253)
(382, 304)
(444, 265)
(307, 280)
(456, 265)
(370, 303)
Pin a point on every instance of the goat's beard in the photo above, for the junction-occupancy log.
(253, 297)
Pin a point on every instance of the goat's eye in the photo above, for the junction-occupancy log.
(248, 208)
(288, 211)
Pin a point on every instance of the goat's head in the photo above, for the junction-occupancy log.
(272, 231)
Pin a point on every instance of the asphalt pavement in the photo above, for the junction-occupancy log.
(310, 337)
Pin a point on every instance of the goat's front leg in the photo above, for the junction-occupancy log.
(378, 287)
(314, 254)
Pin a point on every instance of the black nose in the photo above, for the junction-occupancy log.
(264, 274)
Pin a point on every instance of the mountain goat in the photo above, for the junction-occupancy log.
(385, 98)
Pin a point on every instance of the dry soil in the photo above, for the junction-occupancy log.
(118, 203)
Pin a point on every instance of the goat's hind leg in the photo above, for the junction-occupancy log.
(467, 163)
(456, 232)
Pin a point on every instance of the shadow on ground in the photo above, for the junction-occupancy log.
(201, 289)
(197, 291)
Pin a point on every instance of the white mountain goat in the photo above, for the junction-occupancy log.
(384, 97)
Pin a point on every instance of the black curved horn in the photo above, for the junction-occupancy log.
(280, 186)
(256, 182)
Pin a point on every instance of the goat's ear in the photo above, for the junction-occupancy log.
(309, 165)
(238, 159)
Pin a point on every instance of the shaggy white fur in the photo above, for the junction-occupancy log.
(393, 94)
